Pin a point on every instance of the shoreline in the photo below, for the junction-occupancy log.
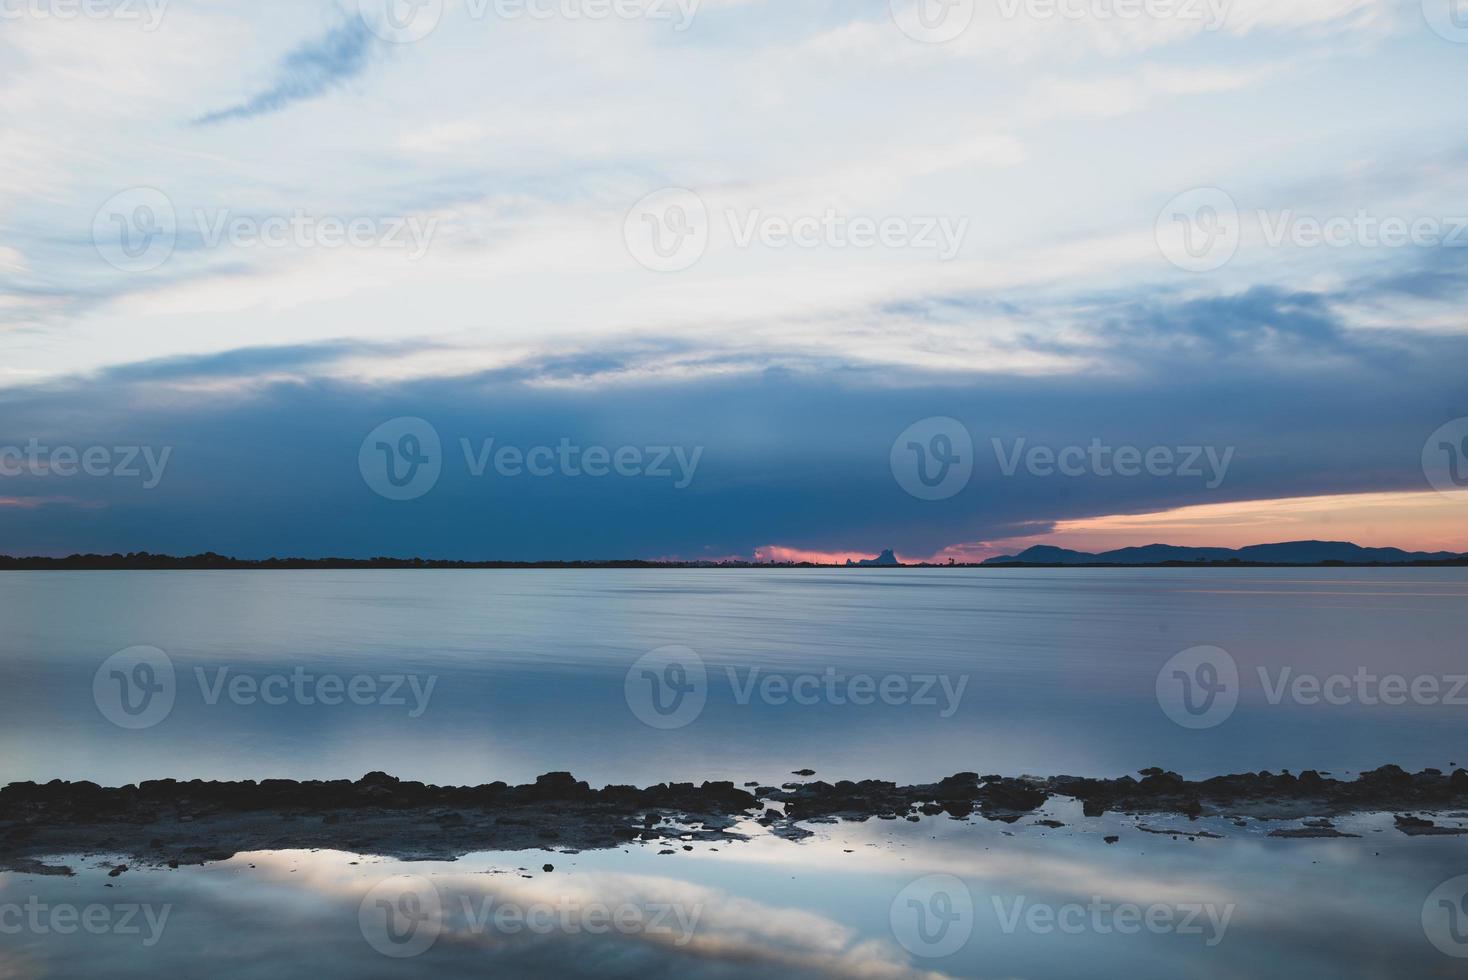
(103, 563)
(171, 822)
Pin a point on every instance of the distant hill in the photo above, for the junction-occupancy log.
(1285, 553)
(885, 560)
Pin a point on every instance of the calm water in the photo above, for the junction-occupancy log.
(518, 673)
(1021, 902)
(1010, 672)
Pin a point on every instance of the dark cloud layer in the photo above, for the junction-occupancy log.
(788, 457)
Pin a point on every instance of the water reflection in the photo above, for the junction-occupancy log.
(859, 900)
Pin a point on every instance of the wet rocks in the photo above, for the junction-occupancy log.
(196, 821)
(1420, 827)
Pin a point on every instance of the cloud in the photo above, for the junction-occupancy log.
(794, 452)
(307, 72)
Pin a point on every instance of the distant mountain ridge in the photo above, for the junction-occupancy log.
(1283, 553)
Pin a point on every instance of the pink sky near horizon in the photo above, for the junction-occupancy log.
(1413, 521)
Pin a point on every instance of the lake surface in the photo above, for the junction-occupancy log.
(1034, 671)
(645, 676)
(943, 898)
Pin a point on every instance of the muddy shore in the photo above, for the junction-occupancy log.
(193, 822)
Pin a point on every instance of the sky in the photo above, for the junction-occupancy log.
(595, 279)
